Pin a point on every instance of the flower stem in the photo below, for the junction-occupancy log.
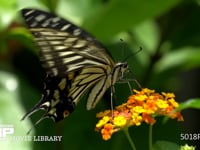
(129, 138)
(150, 137)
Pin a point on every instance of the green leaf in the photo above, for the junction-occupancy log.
(23, 35)
(183, 58)
(187, 147)
(77, 10)
(118, 15)
(165, 145)
(19, 34)
(11, 112)
(30, 4)
(51, 4)
(7, 13)
(186, 29)
(148, 33)
(191, 103)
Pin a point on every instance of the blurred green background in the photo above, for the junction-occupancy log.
(169, 34)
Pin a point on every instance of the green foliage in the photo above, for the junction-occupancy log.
(191, 103)
(165, 145)
(7, 13)
(118, 15)
(168, 31)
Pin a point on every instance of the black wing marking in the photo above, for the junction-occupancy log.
(63, 46)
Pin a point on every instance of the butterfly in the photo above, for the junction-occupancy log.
(75, 62)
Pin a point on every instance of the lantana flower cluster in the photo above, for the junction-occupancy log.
(143, 106)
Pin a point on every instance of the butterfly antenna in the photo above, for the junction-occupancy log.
(123, 48)
(126, 58)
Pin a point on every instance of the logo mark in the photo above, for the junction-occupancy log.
(6, 130)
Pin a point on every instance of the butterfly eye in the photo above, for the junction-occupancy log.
(124, 65)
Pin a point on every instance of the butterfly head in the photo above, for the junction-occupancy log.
(124, 66)
(119, 70)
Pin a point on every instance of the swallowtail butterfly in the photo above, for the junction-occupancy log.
(74, 61)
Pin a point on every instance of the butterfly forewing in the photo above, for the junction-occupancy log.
(74, 61)
(63, 46)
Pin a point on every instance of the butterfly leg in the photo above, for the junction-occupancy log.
(111, 98)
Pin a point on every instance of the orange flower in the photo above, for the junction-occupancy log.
(148, 119)
(107, 131)
(143, 106)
